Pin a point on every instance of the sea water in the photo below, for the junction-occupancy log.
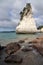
(6, 37)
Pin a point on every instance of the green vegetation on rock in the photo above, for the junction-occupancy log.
(40, 27)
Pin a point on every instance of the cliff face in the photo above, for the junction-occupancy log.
(25, 11)
(27, 22)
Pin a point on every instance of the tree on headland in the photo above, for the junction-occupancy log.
(40, 27)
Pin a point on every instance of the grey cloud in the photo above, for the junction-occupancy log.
(10, 9)
(8, 24)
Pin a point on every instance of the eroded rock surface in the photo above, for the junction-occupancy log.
(12, 47)
(21, 41)
(17, 53)
(13, 58)
(38, 44)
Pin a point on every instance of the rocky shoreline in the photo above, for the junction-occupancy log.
(15, 52)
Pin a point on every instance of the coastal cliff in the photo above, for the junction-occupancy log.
(27, 22)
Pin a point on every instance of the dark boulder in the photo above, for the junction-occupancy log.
(21, 41)
(13, 58)
(2, 47)
(12, 47)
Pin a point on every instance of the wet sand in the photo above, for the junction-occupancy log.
(5, 42)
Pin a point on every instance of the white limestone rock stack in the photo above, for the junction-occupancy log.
(27, 22)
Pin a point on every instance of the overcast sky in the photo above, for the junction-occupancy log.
(10, 9)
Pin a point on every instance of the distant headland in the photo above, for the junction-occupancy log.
(7, 31)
